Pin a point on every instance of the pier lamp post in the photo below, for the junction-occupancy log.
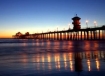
(87, 23)
(64, 29)
(69, 26)
(48, 30)
(57, 28)
(95, 23)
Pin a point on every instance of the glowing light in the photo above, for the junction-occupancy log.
(37, 60)
(95, 23)
(71, 62)
(57, 59)
(87, 23)
(65, 59)
(71, 65)
(70, 58)
(88, 63)
(64, 55)
(49, 58)
(97, 64)
(58, 65)
(43, 60)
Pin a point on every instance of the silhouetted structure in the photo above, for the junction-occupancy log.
(71, 34)
(76, 23)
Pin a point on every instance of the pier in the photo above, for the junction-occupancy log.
(77, 33)
(82, 34)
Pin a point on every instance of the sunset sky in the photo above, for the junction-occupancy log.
(40, 15)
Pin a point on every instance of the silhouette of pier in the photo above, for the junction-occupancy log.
(82, 34)
(71, 34)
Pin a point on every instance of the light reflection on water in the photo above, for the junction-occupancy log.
(52, 57)
(51, 61)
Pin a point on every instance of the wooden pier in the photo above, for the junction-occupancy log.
(96, 33)
(71, 34)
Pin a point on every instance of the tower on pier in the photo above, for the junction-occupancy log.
(76, 23)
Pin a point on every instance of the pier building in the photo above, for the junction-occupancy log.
(76, 23)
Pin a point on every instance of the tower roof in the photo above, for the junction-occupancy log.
(76, 18)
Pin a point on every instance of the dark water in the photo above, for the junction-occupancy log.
(51, 58)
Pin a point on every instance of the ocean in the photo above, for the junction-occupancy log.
(30, 57)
